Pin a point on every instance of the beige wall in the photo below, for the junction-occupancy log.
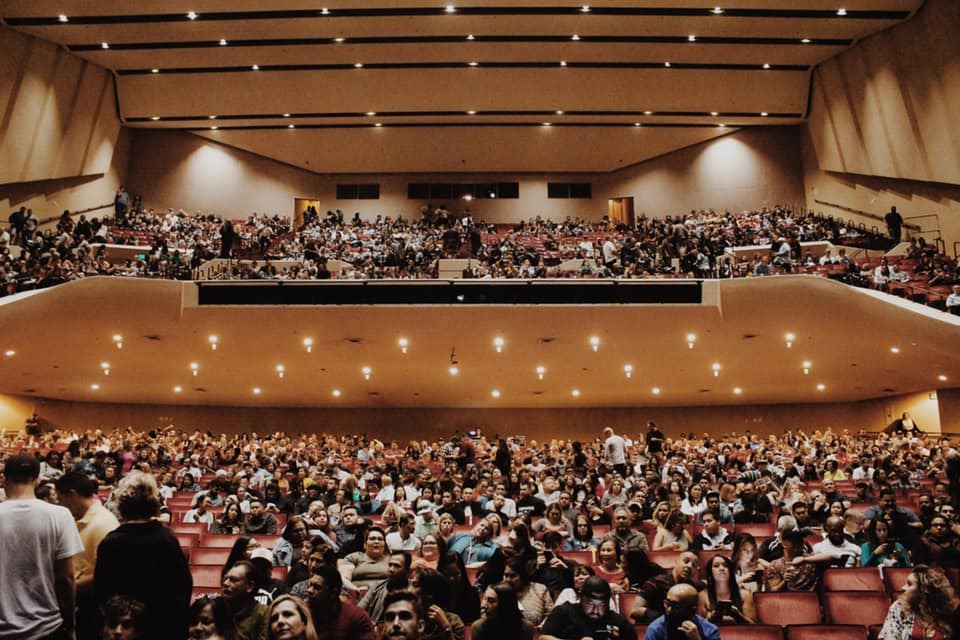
(949, 401)
(883, 127)
(749, 168)
(428, 423)
(14, 410)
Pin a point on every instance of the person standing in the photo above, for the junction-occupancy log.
(615, 451)
(38, 542)
(121, 202)
(894, 224)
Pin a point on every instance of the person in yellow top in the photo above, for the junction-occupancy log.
(834, 472)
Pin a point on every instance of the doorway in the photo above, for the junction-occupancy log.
(300, 206)
(620, 211)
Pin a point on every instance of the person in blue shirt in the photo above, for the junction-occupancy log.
(680, 616)
(475, 546)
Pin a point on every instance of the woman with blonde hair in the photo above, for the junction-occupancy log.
(290, 619)
(925, 609)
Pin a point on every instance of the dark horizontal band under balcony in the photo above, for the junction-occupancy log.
(464, 65)
(499, 39)
(295, 14)
(460, 114)
(413, 125)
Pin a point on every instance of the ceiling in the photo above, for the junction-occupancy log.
(491, 66)
(62, 335)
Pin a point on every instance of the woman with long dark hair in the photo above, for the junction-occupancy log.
(724, 601)
(464, 600)
(242, 549)
(501, 619)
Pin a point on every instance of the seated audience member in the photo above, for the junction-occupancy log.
(835, 548)
(772, 549)
(927, 608)
(473, 547)
(201, 513)
(230, 521)
(398, 577)
(712, 536)
(905, 523)
(552, 569)
(939, 546)
(853, 529)
(403, 539)
(290, 619)
(724, 601)
(649, 602)
(589, 618)
(623, 530)
(336, 618)
(210, 619)
(404, 617)
(680, 615)
(239, 591)
(880, 550)
(609, 565)
(287, 549)
(464, 599)
(267, 587)
(674, 536)
(259, 520)
(501, 619)
(440, 623)
(720, 511)
(123, 619)
(553, 520)
(790, 572)
(748, 565)
(366, 568)
(572, 594)
(583, 538)
(534, 597)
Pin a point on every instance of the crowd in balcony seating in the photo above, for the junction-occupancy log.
(572, 536)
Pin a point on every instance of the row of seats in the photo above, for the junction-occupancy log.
(791, 632)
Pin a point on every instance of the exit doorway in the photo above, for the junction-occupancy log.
(620, 211)
(300, 206)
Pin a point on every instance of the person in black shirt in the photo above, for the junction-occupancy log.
(589, 618)
(894, 223)
(654, 439)
(529, 502)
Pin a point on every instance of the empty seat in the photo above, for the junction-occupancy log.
(853, 579)
(188, 540)
(216, 540)
(856, 607)
(785, 608)
(206, 575)
(189, 527)
(209, 555)
(751, 632)
(666, 559)
(825, 632)
(707, 556)
(625, 603)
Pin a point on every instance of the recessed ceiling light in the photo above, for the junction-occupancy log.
(257, 391)
(366, 371)
(691, 38)
(358, 65)
(821, 387)
(722, 125)
(214, 128)
(716, 369)
(454, 370)
(212, 117)
(404, 344)
(790, 338)
(894, 349)
(648, 113)
(195, 368)
(498, 343)
(764, 114)
(450, 8)
(371, 113)
(559, 112)
(807, 365)
(472, 63)
(737, 391)
(63, 18)
(575, 393)
(308, 343)
(548, 124)
(214, 340)
(291, 126)
(628, 370)
(841, 11)
(286, 115)
(471, 112)
(805, 40)
(655, 391)
(94, 387)
(595, 343)
(378, 124)
(255, 67)
(585, 9)
(9, 353)
(717, 10)
(942, 378)
(714, 113)
(470, 36)
(177, 389)
(541, 370)
(104, 45)
(106, 368)
(336, 393)
(281, 370)
(339, 39)
(324, 11)
(766, 65)
(223, 42)
(563, 63)
(666, 64)
(691, 339)
(191, 15)
(636, 124)
(118, 340)
(154, 70)
(495, 393)
(574, 37)
(155, 118)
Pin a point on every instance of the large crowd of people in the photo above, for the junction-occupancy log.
(328, 246)
(512, 538)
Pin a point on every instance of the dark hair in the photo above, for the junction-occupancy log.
(222, 620)
(508, 620)
(739, 540)
(407, 557)
(118, 606)
(249, 568)
(331, 577)
(872, 530)
(734, 588)
(288, 530)
(78, 482)
(576, 535)
(403, 595)
(366, 534)
(464, 599)
(21, 469)
(519, 566)
(237, 553)
(794, 537)
(637, 566)
(676, 517)
(595, 586)
(552, 538)
(435, 588)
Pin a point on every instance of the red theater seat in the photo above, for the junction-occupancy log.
(666, 559)
(825, 632)
(856, 607)
(764, 530)
(786, 608)
(207, 576)
(858, 579)
(216, 540)
(751, 632)
(208, 555)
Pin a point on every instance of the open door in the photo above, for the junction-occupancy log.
(300, 206)
(621, 211)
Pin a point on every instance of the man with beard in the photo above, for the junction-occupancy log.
(589, 618)
(398, 577)
(336, 619)
(680, 619)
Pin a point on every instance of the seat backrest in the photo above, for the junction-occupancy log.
(896, 578)
(209, 555)
(583, 557)
(188, 540)
(189, 527)
(218, 540)
(764, 530)
(707, 556)
(853, 579)
(825, 632)
(666, 559)
(785, 608)
(856, 607)
(206, 575)
(751, 632)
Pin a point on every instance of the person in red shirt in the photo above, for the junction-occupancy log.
(334, 618)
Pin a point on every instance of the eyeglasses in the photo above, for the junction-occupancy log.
(390, 616)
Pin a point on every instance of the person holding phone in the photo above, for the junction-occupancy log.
(724, 601)
(591, 618)
(882, 550)
(680, 619)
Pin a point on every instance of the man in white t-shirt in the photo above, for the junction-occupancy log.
(615, 451)
(403, 539)
(835, 547)
(38, 541)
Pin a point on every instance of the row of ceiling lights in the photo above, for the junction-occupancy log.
(378, 125)
(450, 8)
(766, 66)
